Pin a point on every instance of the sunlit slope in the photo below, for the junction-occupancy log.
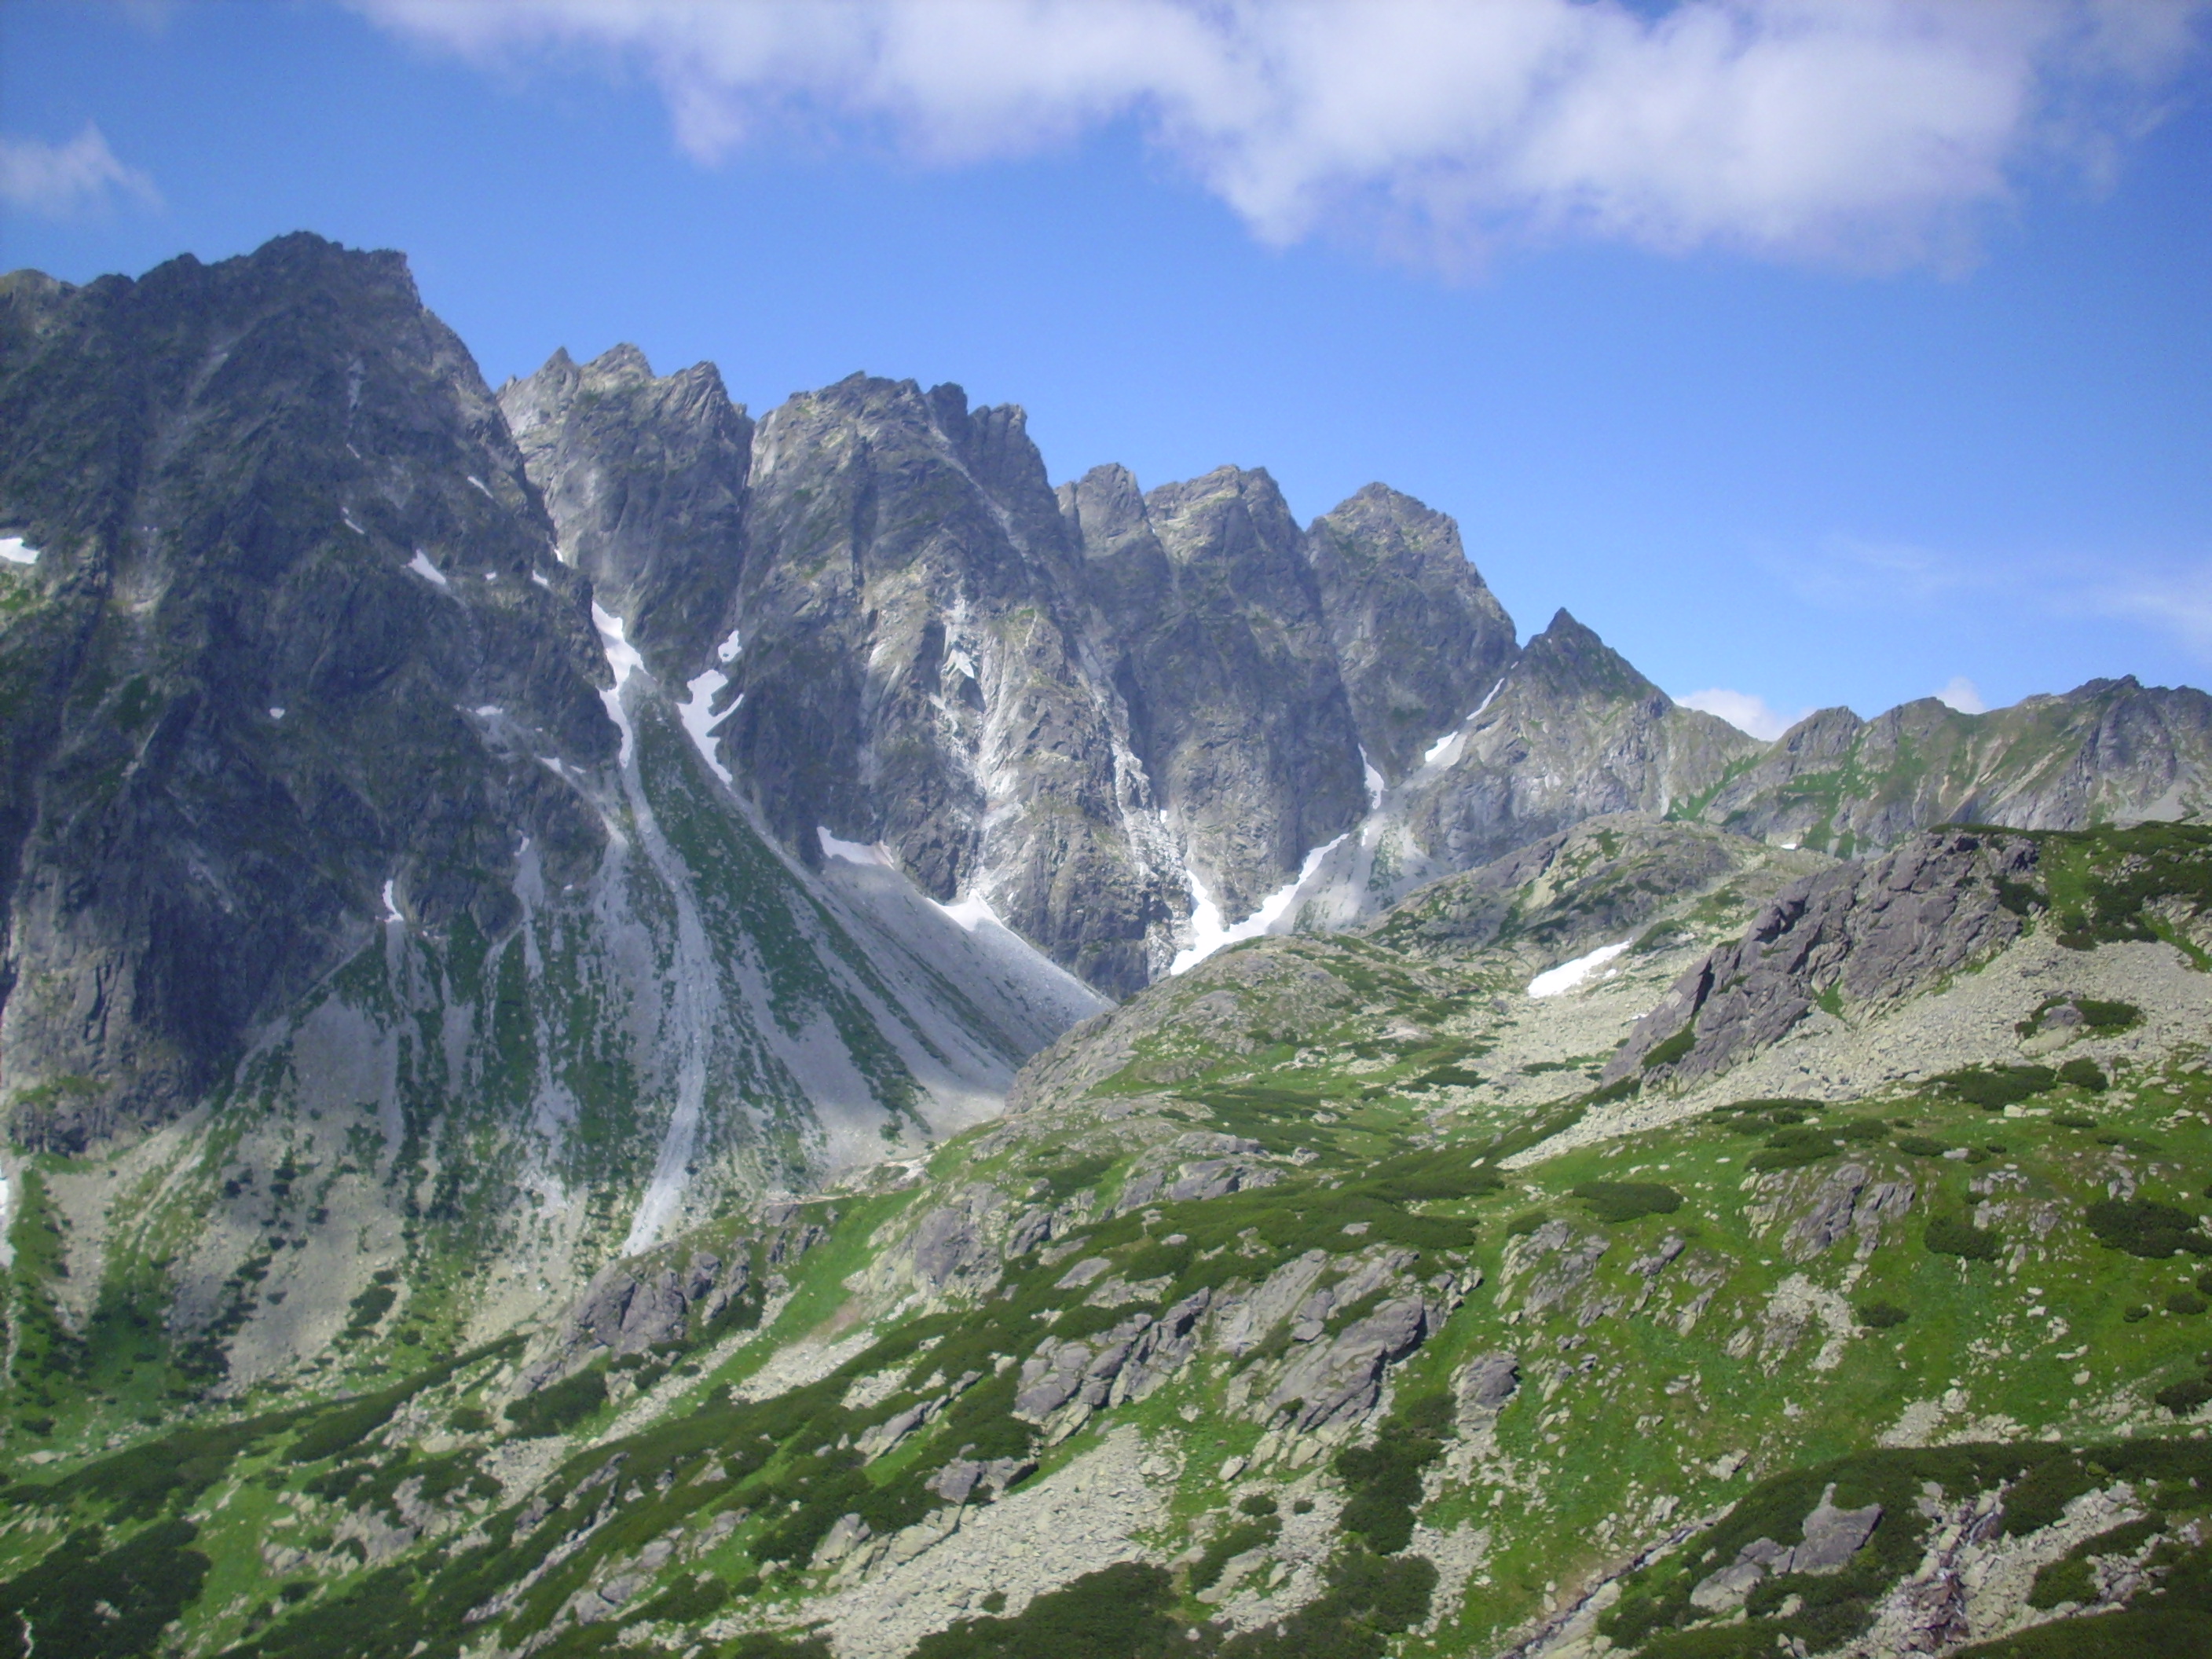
(1292, 1322)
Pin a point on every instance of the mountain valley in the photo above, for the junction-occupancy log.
(627, 1029)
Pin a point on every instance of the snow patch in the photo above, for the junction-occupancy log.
(853, 852)
(1553, 981)
(971, 911)
(421, 565)
(479, 483)
(622, 659)
(1207, 934)
(1444, 751)
(275, 713)
(346, 518)
(728, 649)
(390, 903)
(16, 550)
(1374, 785)
(489, 711)
(699, 719)
(539, 576)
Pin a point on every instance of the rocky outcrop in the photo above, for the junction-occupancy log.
(1484, 1385)
(1064, 1383)
(1831, 1537)
(1603, 880)
(1554, 1261)
(633, 1307)
(1573, 731)
(1333, 1375)
(1861, 935)
(1197, 1165)
(1844, 1199)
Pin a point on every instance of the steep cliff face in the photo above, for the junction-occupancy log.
(1569, 732)
(646, 478)
(1100, 715)
(1573, 731)
(294, 653)
(366, 881)
(1419, 639)
(1213, 625)
(1133, 723)
(870, 605)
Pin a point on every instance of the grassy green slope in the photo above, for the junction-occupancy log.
(2010, 1365)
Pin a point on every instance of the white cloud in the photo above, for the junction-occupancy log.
(1868, 133)
(1963, 695)
(1747, 714)
(58, 179)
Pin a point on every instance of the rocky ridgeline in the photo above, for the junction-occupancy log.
(524, 914)
(310, 644)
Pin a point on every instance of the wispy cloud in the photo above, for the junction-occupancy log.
(1744, 711)
(2175, 598)
(2169, 594)
(1849, 573)
(1865, 133)
(37, 176)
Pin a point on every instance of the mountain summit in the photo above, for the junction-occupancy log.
(626, 1029)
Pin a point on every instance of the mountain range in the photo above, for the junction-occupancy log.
(569, 918)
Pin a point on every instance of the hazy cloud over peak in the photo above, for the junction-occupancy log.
(1865, 133)
(38, 176)
(1746, 712)
(1963, 695)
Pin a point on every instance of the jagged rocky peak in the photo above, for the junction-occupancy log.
(1569, 662)
(1573, 731)
(1220, 653)
(644, 478)
(297, 640)
(916, 673)
(1420, 638)
(1105, 511)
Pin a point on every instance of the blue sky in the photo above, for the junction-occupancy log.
(1860, 361)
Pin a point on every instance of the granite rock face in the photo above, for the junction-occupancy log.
(1123, 718)
(314, 624)
(338, 804)
(646, 478)
(1096, 711)
(292, 651)
(1216, 639)
(1573, 731)
(1419, 639)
